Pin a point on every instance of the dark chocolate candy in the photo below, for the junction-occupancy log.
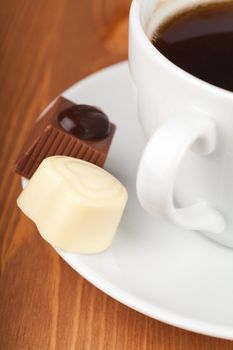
(68, 129)
(85, 122)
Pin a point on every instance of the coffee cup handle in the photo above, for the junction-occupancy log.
(158, 169)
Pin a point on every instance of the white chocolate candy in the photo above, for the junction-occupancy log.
(75, 205)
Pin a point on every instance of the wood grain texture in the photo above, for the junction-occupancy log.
(46, 46)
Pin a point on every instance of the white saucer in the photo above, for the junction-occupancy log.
(173, 275)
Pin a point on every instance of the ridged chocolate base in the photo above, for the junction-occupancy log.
(48, 139)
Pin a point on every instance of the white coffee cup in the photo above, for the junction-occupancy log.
(189, 125)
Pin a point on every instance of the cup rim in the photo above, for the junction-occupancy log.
(166, 63)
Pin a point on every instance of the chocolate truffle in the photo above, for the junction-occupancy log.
(67, 129)
(94, 203)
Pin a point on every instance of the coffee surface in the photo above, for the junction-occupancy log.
(200, 41)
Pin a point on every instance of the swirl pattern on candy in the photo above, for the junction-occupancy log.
(76, 206)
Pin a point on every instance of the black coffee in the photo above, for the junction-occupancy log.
(200, 41)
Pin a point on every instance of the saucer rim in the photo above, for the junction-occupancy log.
(158, 313)
(152, 310)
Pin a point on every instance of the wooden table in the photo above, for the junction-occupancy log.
(45, 47)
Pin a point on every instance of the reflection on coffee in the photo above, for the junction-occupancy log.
(200, 41)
